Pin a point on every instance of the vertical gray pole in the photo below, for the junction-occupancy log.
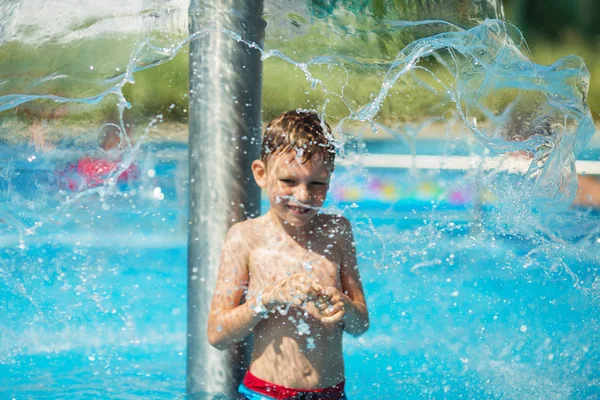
(224, 112)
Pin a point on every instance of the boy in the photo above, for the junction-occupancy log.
(296, 269)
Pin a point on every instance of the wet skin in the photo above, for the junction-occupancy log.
(305, 265)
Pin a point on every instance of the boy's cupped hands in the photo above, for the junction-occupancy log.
(300, 289)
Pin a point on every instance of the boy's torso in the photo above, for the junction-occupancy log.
(292, 347)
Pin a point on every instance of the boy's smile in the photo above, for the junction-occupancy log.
(296, 190)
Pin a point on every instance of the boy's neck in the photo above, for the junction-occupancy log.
(301, 235)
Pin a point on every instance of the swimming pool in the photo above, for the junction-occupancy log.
(94, 298)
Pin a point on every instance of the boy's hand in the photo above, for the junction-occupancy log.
(295, 290)
(331, 305)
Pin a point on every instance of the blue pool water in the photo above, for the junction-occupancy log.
(474, 291)
(93, 300)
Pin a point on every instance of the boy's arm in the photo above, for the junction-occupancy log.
(356, 317)
(228, 321)
(349, 305)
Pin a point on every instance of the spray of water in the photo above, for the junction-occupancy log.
(473, 67)
(492, 88)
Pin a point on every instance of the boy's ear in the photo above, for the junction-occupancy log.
(259, 170)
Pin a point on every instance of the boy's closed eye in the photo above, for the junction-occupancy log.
(291, 182)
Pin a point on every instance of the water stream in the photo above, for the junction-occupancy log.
(481, 283)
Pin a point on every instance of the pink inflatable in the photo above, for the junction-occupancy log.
(90, 172)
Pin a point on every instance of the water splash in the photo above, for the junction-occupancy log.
(473, 66)
(484, 77)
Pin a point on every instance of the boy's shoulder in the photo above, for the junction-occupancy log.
(334, 223)
(244, 226)
(331, 218)
(247, 230)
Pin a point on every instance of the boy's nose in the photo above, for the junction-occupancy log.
(302, 194)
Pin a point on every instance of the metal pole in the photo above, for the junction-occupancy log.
(225, 110)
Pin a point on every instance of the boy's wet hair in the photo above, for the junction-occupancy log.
(299, 131)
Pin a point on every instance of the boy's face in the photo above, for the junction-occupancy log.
(295, 190)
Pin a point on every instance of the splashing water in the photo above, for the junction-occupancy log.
(496, 299)
(481, 63)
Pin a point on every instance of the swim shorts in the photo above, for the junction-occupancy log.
(254, 388)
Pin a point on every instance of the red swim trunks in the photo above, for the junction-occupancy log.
(257, 386)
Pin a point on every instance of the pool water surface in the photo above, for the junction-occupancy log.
(94, 298)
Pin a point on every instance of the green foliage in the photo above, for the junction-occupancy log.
(60, 69)
(161, 90)
(548, 20)
(547, 52)
(87, 68)
(342, 89)
(285, 87)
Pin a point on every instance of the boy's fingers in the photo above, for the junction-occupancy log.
(328, 295)
(334, 308)
(328, 309)
(277, 294)
(297, 302)
(299, 294)
(333, 319)
(329, 292)
(324, 298)
(302, 288)
(312, 293)
(310, 289)
(317, 289)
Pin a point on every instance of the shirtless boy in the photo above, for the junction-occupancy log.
(296, 269)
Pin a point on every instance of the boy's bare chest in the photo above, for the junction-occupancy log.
(274, 262)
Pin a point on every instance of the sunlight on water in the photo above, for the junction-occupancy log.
(487, 290)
